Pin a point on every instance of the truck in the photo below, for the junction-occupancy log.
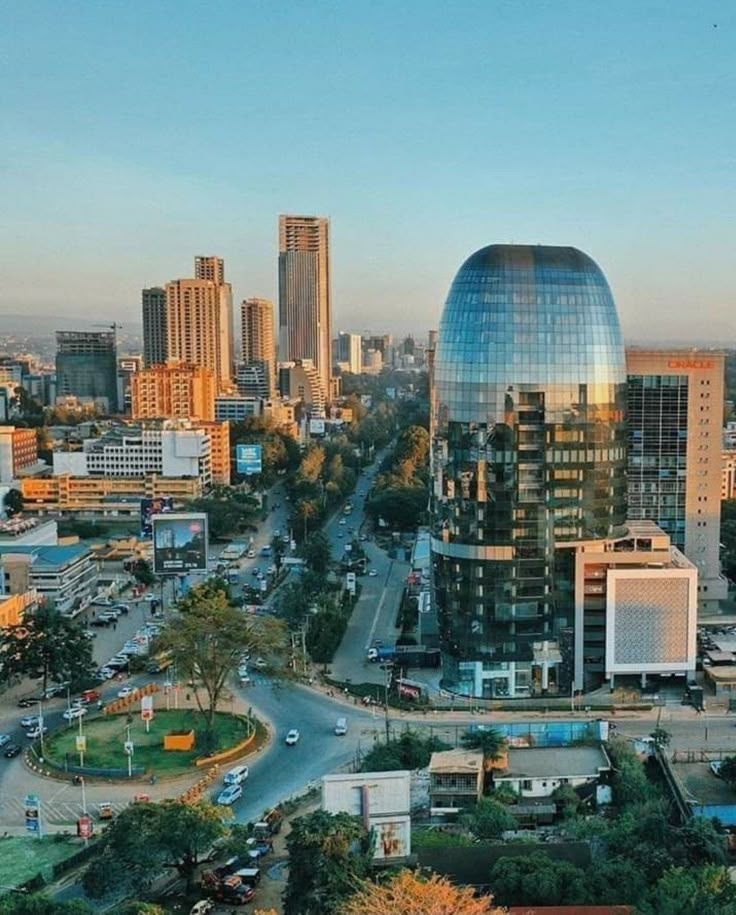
(376, 655)
(348, 509)
(268, 825)
(159, 663)
(405, 655)
(233, 577)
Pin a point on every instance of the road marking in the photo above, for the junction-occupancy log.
(380, 605)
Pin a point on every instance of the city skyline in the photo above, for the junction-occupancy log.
(604, 129)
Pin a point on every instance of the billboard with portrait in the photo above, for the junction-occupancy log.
(179, 543)
(150, 507)
(249, 459)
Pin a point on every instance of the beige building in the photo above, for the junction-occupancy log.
(675, 414)
(728, 474)
(106, 496)
(155, 350)
(18, 452)
(305, 330)
(455, 781)
(259, 349)
(173, 391)
(199, 320)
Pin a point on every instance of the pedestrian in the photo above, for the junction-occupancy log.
(114, 625)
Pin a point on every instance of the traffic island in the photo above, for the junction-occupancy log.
(117, 745)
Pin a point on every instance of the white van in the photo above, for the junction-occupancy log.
(236, 776)
(341, 727)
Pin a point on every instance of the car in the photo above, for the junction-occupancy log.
(4, 739)
(29, 721)
(372, 573)
(362, 538)
(36, 732)
(125, 692)
(51, 691)
(229, 795)
(236, 776)
(12, 750)
(340, 535)
(342, 522)
(101, 622)
(292, 738)
(106, 673)
(256, 571)
(277, 533)
(251, 554)
(715, 767)
(28, 701)
(234, 892)
(260, 663)
(122, 608)
(286, 539)
(89, 634)
(71, 714)
(202, 907)
(150, 597)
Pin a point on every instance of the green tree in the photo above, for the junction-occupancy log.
(488, 819)
(489, 741)
(48, 645)
(142, 572)
(41, 904)
(328, 855)
(728, 770)
(307, 510)
(410, 751)
(630, 783)
(316, 552)
(537, 879)
(13, 503)
(208, 640)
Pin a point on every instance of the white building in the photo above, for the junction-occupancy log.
(173, 450)
(350, 352)
(539, 771)
(382, 799)
(63, 575)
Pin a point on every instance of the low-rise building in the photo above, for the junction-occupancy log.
(455, 781)
(18, 452)
(539, 771)
(236, 407)
(28, 531)
(13, 607)
(63, 575)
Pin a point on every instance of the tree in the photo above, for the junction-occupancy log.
(328, 855)
(148, 838)
(408, 893)
(47, 645)
(630, 784)
(13, 502)
(316, 552)
(208, 640)
(135, 907)
(728, 770)
(142, 572)
(41, 904)
(410, 751)
(489, 741)
(537, 879)
(661, 737)
(307, 509)
(488, 819)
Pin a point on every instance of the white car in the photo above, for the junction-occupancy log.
(292, 738)
(125, 692)
(715, 767)
(150, 597)
(229, 795)
(4, 739)
(251, 554)
(106, 673)
(71, 714)
(342, 522)
(36, 732)
(30, 721)
(372, 573)
(236, 776)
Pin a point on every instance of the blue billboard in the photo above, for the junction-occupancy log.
(248, 459)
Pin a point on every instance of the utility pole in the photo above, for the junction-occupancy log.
(388, 675)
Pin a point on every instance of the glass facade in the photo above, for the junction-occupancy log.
(528, 449)
(657, 415)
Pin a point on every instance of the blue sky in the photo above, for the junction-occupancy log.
(135, 135)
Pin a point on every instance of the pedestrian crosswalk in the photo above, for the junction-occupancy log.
(58, 812)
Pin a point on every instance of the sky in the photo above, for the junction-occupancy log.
(135, 135)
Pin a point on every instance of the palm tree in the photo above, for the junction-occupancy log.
(489, 741)
(306, 510)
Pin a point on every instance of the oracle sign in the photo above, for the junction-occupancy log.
(690, 364)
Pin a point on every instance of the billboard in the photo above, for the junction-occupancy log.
(151, 507)
(179, 543)
(316, 427)
(249, 459)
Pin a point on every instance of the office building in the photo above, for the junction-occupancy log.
(199, 321)
(259, 348)
(528, 451)
(236, 407)
(304, 293)
(155, 348)
(675, 414)
(174, 391)
(372, 362)
(301, 380)
(349, 352)
(18, 452)
(65, 576)
(728, 474)
(86, 368)
(253, 380)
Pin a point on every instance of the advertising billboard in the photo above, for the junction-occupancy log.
(249, 459)
(316, 427)
(179, 543)
(151, 507)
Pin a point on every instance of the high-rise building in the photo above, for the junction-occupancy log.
(87, 368)
(207, 267)
(173, 391)
(155, 350)
(304, 292)
(528, 451)
(349, 352)
(301, 380)
(199, 320)
(259, 350)
(675, 413)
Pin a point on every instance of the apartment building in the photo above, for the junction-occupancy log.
(18, 452)
(174, 391)
(63, 575)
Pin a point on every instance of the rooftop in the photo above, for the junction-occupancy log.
(456, 761)
(555, 762)
(51, 556)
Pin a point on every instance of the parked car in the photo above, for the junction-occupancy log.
(28, 701)
(12, 750)
(229, 795)
(292, 738)
(36, 732)
(251, 554)
(29, 721)
(71, 714)
(372, 573)
(101, 622)
(51, 691)
(715, 767)
(89, 634)
(125, 692)
(4, 740)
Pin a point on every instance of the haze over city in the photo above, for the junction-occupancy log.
(136, 135)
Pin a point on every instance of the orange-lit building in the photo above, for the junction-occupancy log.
(219, 436)
(175, 390)
(114, 496)
(18, 451)
(14, 606)
(728, 474)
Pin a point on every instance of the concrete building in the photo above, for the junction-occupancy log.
(253, 380)
(455, 781)
(24, 531)
(18, 452)
(728, 474)
(259, 347)
(199, 321)
(301, 380)
(219, 438)
(86, 368)
(13, 607)
(349, 352)
(305, 310)
(63, 575)
(236, 407)
(382, 800)
(675, 412)
(540, 771)
(636, 608)
(174, 391)
(155, 348)
(128, 366)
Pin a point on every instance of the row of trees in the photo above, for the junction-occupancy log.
(230, 511)
(280, 451)
(401, 491)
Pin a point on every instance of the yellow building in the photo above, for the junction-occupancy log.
(175, 390)
(219, 436)
(14, 606)
(728, 474)
(103, 495)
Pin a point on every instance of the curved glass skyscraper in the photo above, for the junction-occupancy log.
(528, 450)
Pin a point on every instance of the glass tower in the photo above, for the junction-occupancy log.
(528, 449)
